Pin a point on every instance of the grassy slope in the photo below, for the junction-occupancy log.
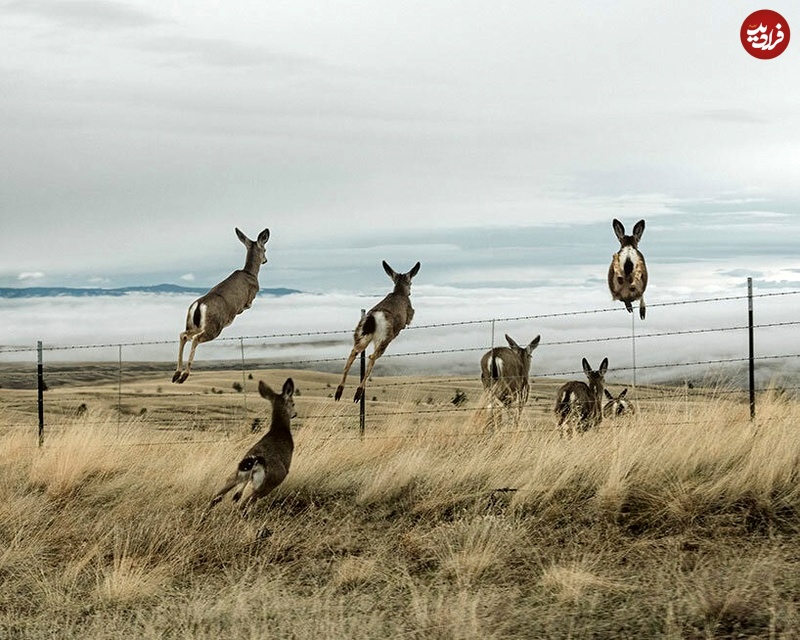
(639, 530)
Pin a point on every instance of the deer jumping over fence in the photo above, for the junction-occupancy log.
(582, 401)
(381, 325)
(267, 462)
(627, 274)
(617, 406)
(210, 314)
(505, 371)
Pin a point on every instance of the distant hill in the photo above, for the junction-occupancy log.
(89, 292)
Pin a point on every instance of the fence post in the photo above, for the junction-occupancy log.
(362, 404)
(40, 387)
(752, 376)
(119, 388)
(244, 381)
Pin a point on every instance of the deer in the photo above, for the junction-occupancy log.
(617, 406)
(627, 274)
(583, 401)
(266, 464)
(504, 373)
(211, 313)
(380, 325)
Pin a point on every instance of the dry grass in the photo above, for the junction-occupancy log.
(427, 528)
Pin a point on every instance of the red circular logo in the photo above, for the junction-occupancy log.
(765, 34)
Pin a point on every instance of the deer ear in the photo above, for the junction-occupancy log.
(243, 238)
(623, 392)
(638, 230)
(414, 270)
(619, 229)
(603, 366)
(263, 236)
(608, 394)
(587, 369)
(288, 388)
(534, 343)
(265, 391)
(389, 271)
(511, 342)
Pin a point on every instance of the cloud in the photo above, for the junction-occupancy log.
(188, 277)
(30, 275)
(85, 14)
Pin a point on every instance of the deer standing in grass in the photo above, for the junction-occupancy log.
(582, 401)
(381, 325)
(267, 462)
(627, 274)
(210, 314)
(617, 406)
(505, 371)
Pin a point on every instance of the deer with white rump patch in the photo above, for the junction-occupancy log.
(267, 462)
(627, 274)
(211, 313)
(582, 401)
(505, 371)
(381, 325)
(617, 406)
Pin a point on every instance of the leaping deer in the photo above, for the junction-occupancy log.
(505, 371)
(627, 274)
(381, 325)
(583, 401)
(266, 464)
(210, 314)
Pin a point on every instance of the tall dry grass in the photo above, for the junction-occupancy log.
(656, 527)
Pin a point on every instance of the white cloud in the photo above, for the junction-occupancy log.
(30, 275)
(188, 277)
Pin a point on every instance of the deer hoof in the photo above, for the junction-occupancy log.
(176, 376)
(359, 393)
(339, 391)
(641, 312)
(629, 307)
(183, 377)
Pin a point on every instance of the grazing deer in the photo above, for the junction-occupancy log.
(617, 406)
(267, 462)
(504, 373)
(627, 275)
(381, 325)
(581, 400)
(211, 313)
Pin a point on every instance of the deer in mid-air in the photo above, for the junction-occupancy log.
(266, 464)
(627, 274)
(381, 325)
(617, 406)
(505, 371)
(582, 401)
(210, 314)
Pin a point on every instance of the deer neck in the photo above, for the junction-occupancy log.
(252, 264)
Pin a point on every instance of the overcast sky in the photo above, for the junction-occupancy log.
(493, 141)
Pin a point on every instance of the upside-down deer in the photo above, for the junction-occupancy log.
(210, 314)
(505, 371)
(266, 464)
(581, 401)
(627, 274)
(381, 325)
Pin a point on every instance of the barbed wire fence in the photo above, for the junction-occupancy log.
(306, 341)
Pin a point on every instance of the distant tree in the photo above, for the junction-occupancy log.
(237, 386)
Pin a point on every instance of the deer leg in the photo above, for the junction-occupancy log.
(628, 306)
(348, 364)
(642, 309)
(195, 341)
(230, 483)
(183, 338)
(372, 358)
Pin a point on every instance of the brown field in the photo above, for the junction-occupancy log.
(681, 522)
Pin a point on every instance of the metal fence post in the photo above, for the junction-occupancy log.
(752, 375)
(362, 405)
(40, 387)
